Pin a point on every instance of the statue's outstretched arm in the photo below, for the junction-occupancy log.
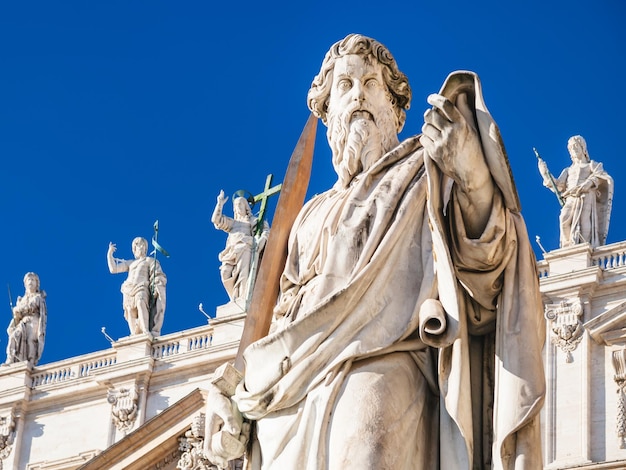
(220, 221)
(115, 265)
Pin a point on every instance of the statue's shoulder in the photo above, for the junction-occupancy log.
(596, 165)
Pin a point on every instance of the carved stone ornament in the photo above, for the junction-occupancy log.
(566, 325)
(619, 364)
(166, 462)
(124, 406)
(192, 457)
(7, 435)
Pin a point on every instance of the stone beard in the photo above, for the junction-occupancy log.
(358, 138)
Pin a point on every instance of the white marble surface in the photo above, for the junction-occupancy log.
(359, 267)
(143, 290)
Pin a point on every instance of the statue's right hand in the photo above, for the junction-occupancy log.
(543, 169)
(112, 248)
(221, 198)
(226, 434)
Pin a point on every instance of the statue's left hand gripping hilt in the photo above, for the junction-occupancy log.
(226, 378)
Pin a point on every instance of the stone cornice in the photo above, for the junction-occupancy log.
(582, 282)
(609, 328)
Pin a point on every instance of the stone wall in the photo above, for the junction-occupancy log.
(584, 295)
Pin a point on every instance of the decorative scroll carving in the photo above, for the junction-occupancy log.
(7, 435)
(619, 364)
(124, 404)
(566, 325)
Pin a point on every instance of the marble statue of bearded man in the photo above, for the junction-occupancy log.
(408, 330)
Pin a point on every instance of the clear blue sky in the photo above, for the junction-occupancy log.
(115, 114)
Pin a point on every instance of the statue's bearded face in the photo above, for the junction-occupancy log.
(361, 120)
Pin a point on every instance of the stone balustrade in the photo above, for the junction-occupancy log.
(610, 256)
(543, 269)
(167, 346)
(80, 366)
(163, 347)
(606, 257)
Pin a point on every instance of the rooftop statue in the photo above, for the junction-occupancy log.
(585, 191)
(27, 330)
(243, 245)
(144, 289)
(408, 330)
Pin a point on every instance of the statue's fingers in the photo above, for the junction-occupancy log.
(430, 131)
(433, 117)
(426, 142)
(214, 424)
(216, 459)
(233, 421)
(230, 418)
(446, 107)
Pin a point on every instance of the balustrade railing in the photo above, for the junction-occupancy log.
(87, 367)
(543, 269)
(180, 343)
(606, 257)
(71, 369)
(200, 342)
(164, 347)
(53, 376)
(610, 256)
(170, 348)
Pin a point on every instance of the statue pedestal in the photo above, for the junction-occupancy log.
(15, 381)
(228, 323)
(569, 259)
(133, 347)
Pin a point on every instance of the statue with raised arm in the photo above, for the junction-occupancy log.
(408, 329)
(242, 246)
(27, 330)
(586, 192)
(143, 291)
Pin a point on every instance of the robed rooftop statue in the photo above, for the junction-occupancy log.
(408, 330)
(585, 191)
(27, 330)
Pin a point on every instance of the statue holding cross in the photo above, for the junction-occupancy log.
(247, 235)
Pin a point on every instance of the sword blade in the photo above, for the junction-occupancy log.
(290, 202)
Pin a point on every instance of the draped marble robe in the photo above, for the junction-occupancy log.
(585, 218)
(359, 278)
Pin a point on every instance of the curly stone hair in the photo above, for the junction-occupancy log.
(397, 83)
